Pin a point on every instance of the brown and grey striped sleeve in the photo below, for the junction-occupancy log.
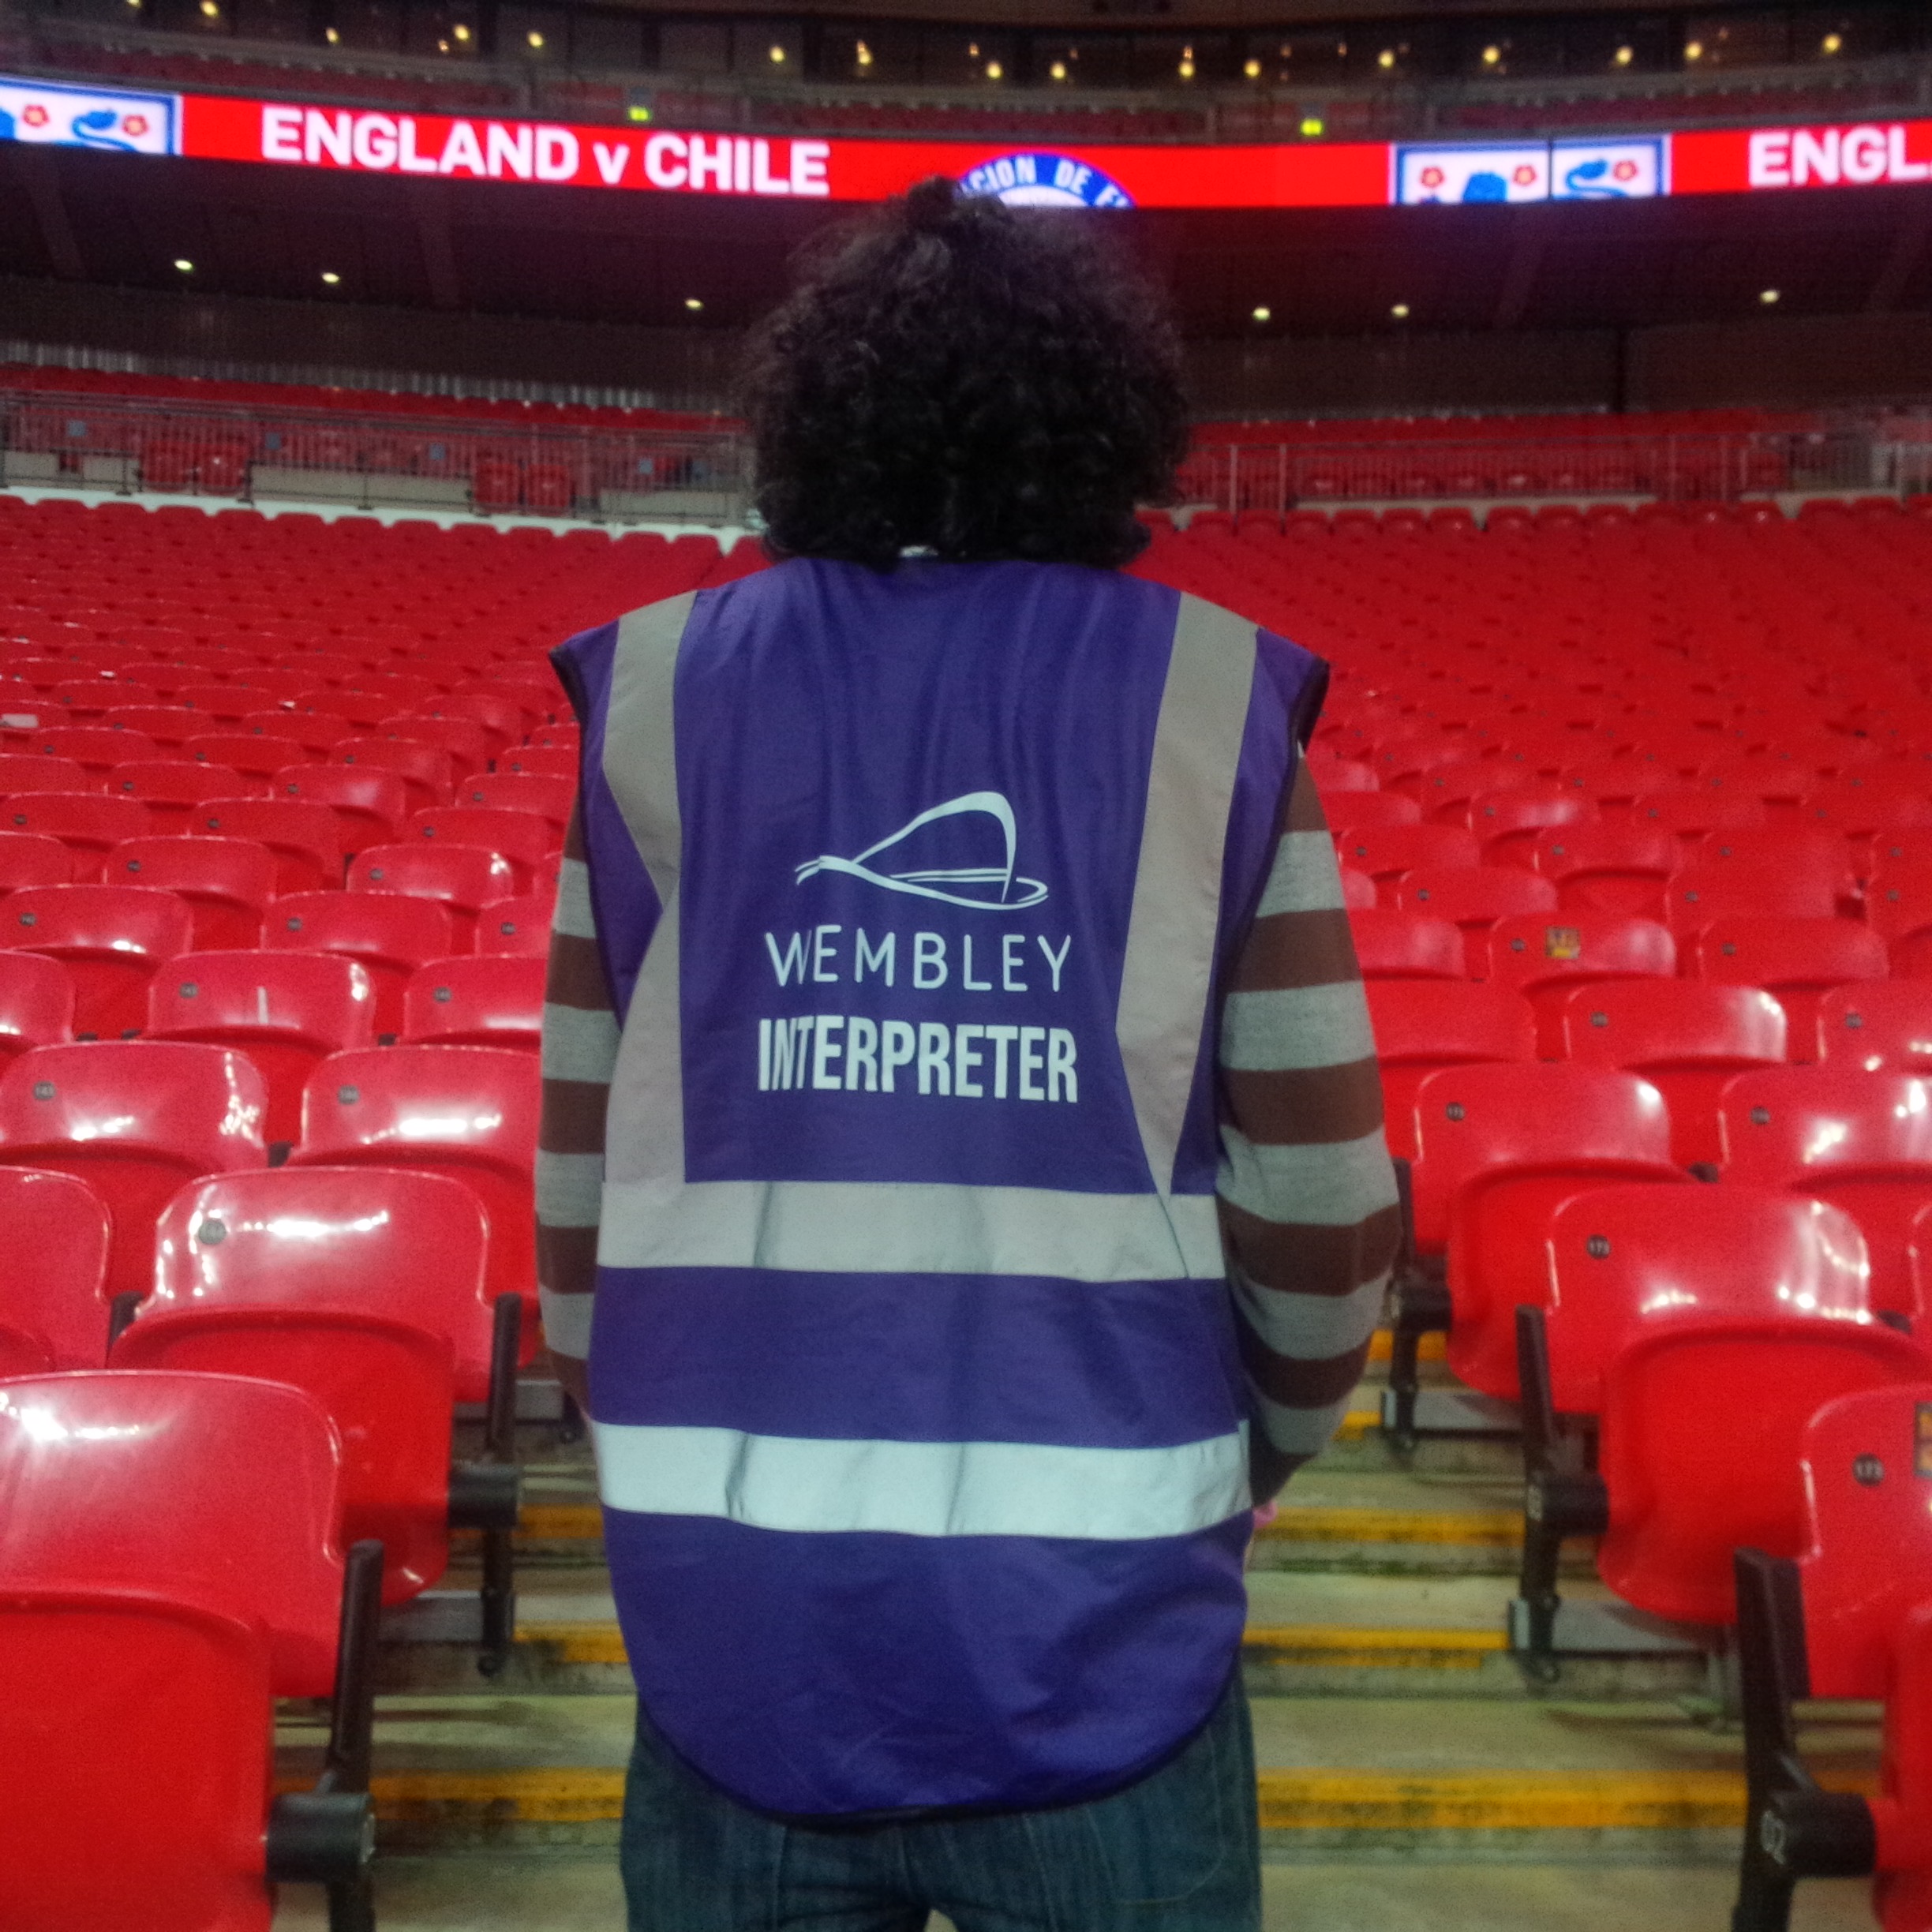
(579, 1054)
(1308, 1203)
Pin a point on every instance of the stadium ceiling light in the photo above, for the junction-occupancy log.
(1264, 315)
(1253, 70)
(535, 39)
(330, 277)
(864, 55)
(442, 47)
(1186, 70)
(1694, 49)
(1312, 127)
(1832, 43)
(1624, 56)
(1769, 296)
(692, 302)
(331, 35)
(777, 56)
(1491, 54)
(1057, 70)
(185, 266)
(1386, 58)
(995, 71)
(461, 32)
(1400, 311)
(972, 51)
(210, 9)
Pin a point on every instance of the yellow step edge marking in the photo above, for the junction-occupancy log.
(1302, 1800)
(1435, 1346)
(1335, 1645)
(1488, 1529)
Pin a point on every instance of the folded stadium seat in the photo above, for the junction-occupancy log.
(143, 1648)
(565, 736)
(109, 938)
(172, 788)
(525, 839)
(1508, 824)
(1473, 898)
(390, 934)
(1739, 889)
(1882, 1026)
(1364, 811)
(1692, 815)
(223, 706)
(22, 772)
(1498, 1147)
(492, 1001)
(1546, 960)
(1358, 892)
(370, 805)
(37, 1003)
(549, 798)
(32, 858)
(504, 720)
(1862, 1140)
(87, 823)
(1797, 960)
(1687, 1039)
(467, 1112)
(1388, 854)
(1851, 1617)
(461, 879)
(254, 755)
(95, 748)
(1796, 852)
(1401, 762)
(1898, 907)
(1406, 945)
(465, 740)
(225, 883)
(426, 771)
(1422, 1026)
(52, 1313)
(1629, 1269)
(303, 836)
(287, 1011)
(363, 1288)
(563, 761)
(1608, 868)
(316, 732)
(522, 925)
(135, 1119)
(166, 727)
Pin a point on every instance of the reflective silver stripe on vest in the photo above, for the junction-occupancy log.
(644, 1133)
(901, 1228)
(1168, 975)
(924, 1488)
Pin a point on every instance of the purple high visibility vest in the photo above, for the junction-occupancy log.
(920, 1427)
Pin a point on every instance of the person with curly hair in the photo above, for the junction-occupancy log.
(962, 1197)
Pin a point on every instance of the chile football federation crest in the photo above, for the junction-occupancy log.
(1045, 180)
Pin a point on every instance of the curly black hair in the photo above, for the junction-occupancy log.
(976, 380)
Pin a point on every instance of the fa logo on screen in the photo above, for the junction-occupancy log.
(1045, 180)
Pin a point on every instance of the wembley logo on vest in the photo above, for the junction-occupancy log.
(1038, 180)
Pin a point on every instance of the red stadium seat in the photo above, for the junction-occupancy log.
(503, 720)
(1796, 959)
(256, 755)
(1790, 853)
(1850, 1618)
(1509, 825)
(95, 748)
(370, 805)
(111, 938)
(550, 799)
(317, 732)
(523, 838)
(1498, 1147)
(1862, 1141)
(288, 1011)
(166, 727)
(1898, 907)
(1422, 1026)
(52, 1314)
(1690, 814)
(1363, 811)
(37, 1003)
(1883, 1025)
(32, 858)
(355, 1286)
(172, 789)
(1547, 959)
(143, 1646)
(1473, 898)
(134, 1119)
(1698, 894)
(1389, 853)
(465, 742)
(470, 1001)
(523, 924)
(1358, 890)
(1688, 1041)
(20, 772)
(562, 761)
(225, 883)
(468, 1112)
(1617, 869)
(87, 823)
(1406, 945)
(461, 878)
(304, 837)
(425, 770)
(389, 934)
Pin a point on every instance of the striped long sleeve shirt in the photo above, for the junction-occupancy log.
(1307, 1200)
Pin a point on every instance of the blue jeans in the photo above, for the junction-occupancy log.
(1176, 1852)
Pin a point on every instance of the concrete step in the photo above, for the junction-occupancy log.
(1353, 1776)
(495, 1892)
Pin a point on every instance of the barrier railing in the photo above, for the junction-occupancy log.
(370, 461)
(412, 460)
